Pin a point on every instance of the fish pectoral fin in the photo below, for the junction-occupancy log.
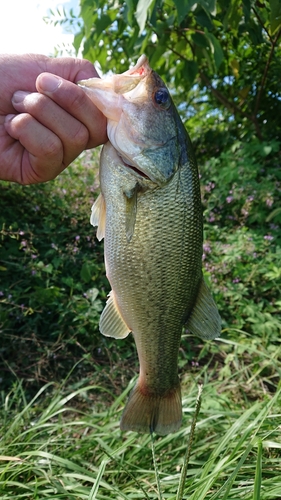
(131, 211)
(111, 321)
(205, 320)
(98, 216)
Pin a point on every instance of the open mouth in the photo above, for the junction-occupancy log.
(135, 169)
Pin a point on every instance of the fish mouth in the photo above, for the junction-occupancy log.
(141, 68)
(134, 168)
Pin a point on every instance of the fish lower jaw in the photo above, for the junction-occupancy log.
(134, 168)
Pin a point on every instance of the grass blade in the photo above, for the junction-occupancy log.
(258, 475)
(189, 446)
(156, 468)
(95, 488)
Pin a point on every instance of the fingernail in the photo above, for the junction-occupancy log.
(9, 118)
(48, 82)
(19, 96)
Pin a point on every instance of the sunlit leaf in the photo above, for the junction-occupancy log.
(234, 63)
(101, 24)
(275, 16)
(156, 54)
(142, 12)
(78, 40)
(244, 91)
(209, 6)
(129, 11)
(233, 15)
(215, 48)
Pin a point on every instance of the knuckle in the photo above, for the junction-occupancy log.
(52, 147)
(22, 121)
(77, 99)
(35, 102)
(80, 136)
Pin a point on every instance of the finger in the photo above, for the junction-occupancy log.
(72, 133)
(41, 156)
(71, 69)
(74, 100)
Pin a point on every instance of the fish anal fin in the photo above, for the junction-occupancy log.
(152, 413)
(205, 321)
(111, 321)
(98, 216)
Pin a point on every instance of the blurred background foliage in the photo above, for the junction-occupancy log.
(220, 58)
(221, 61)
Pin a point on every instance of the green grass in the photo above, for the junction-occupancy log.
(63, 386)
(61, 445)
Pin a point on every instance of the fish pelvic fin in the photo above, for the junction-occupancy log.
(111, 321)
(98, 216)
(205, 321)
(148, 413)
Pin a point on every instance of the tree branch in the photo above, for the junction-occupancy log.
(231, 106)
(261, 23)
(266, 69)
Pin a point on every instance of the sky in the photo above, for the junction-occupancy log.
(22, 28)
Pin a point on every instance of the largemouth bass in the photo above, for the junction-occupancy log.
(149, 213)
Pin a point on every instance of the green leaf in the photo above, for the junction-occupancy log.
(183, 7)
(209, 6)
(85, 273)
(258, 475)
(78, 40)
(101, 24)
(92, 294)
(189, 72)
(200, 40)
(273, 214)
(48, 269)
(160, 49)
(275, 15)
(215, 48)
(95, 488)
(129, 11)
(88, 18)
(204, 20)
(142, 12)
(233, 16)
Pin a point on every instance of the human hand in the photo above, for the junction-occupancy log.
(46, 121)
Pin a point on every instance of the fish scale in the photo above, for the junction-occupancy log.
(149, 213)
(156, 233)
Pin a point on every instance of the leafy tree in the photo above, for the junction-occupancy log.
(221, 58)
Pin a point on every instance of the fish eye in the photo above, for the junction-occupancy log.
(162, 98)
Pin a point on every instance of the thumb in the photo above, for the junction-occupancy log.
(48, 83)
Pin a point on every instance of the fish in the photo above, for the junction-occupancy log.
(150, 215)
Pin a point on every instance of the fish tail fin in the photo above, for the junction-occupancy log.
(152, 413)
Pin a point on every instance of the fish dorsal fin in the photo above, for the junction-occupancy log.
(98, 216)
(111, 321)
(205, 320)
(131, 211)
